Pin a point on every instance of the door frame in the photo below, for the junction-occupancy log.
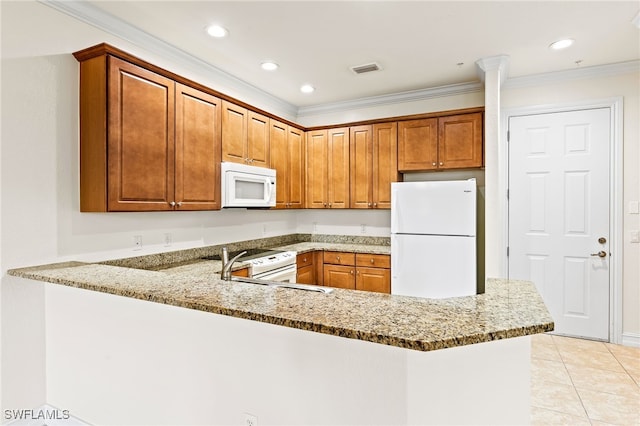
(616, 201)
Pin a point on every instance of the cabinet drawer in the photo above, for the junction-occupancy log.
(304, 259)
(339, 258)
(373, 260)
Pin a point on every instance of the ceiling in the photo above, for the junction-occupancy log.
(418, 44)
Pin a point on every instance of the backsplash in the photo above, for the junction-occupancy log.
(153, 261)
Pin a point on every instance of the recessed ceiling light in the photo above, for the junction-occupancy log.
(269, 66)
(217, 31)
(307, 88)
(561, 44)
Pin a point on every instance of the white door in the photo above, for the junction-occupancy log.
(559, 215)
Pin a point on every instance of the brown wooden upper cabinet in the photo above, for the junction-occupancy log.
(287, 158)
(245, 136)
(160, 148)
(447, 142)
(373, 165)
(328, 168)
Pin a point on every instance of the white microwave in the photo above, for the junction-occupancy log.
(247, 186)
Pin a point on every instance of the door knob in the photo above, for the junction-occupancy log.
(601, 253)
(602, 240)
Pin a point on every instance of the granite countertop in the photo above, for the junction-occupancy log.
(508, 308)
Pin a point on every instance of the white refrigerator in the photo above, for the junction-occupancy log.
(433, 238)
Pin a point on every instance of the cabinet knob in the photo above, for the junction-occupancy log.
(433, 164)
(372, 260)
(351, 272)
(304, 259)
(172, 204)
(324, 204)
(338, 257)
(369, 204)
(329, 205)
(179, 204)
(441, 163)
(375, 204)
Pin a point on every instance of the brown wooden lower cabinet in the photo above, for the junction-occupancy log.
(244, 272)
(358, 271)
(373, 279)
(309, 268)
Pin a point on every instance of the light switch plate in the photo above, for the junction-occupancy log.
(633, 207)
(635, 236)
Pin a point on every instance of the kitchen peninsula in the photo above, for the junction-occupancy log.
(370, 358)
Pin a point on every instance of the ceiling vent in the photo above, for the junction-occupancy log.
(362, 69)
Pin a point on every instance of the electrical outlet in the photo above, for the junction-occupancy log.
(363, 228)
(137, 242)
(168, 239)
(250, 420)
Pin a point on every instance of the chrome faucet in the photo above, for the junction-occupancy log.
(227, 264)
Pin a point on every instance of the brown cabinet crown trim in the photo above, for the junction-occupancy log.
(104, 48)
(107, 49)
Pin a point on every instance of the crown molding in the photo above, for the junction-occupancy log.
(104, 21)
(393, 98)
(491, 63)
(572, 74)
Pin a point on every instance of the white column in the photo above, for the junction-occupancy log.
(493, 71)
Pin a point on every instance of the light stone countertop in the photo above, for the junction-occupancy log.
(508, 308)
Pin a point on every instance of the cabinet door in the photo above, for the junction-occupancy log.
(234, 133)
(280, 162)
(140, 139)
(317, 169)
(295, 142)
(373, 279)
(385, 163)
(460, 141)
(338, 168)
(339, 276)
(258, 139)
(197, 181)
(418, 144)
(361, 173)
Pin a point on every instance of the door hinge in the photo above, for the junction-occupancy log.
(508, 135)
(507, 251)
(507, 193)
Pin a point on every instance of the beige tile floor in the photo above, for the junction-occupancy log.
(582, 382)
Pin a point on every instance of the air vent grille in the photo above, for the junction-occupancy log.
(362, 69)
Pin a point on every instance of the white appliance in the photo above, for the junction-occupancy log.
(433, 238)
(274, 265)
(247, 186)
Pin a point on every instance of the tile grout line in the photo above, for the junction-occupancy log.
(623, 367)
(586, 413)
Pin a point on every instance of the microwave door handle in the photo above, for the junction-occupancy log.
(269, 188)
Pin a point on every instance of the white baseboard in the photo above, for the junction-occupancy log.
(45, 415)
(631, 339)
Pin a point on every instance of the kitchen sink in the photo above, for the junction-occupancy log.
(277, 284)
